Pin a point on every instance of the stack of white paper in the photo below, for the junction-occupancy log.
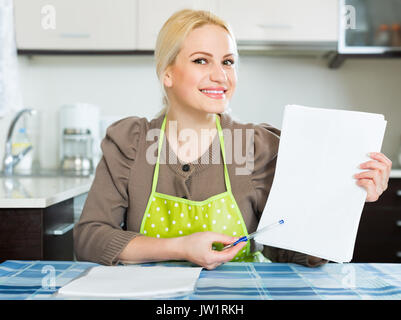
(133, 282)
(313, 189)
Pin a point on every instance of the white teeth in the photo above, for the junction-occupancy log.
(213, 91)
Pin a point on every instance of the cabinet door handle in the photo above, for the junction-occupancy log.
(398, 193)
(398, 223)
(398, 254)
(60, 229)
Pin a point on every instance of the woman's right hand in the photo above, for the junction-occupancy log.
(197, 248)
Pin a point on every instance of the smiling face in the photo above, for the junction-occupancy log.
(203, 75)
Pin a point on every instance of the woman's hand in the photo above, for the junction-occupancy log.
(374, 180)
(197, 248)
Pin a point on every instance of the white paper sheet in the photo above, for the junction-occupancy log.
(132, 282)
(313, 189)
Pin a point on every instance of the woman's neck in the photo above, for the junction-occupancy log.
(194, 120)
(190, 134)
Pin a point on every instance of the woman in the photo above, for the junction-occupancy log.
(141, 209)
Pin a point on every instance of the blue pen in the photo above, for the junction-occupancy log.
(253, 234)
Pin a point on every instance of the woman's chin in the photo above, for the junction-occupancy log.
(217, 108)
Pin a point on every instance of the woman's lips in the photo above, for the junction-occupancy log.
(214, 94)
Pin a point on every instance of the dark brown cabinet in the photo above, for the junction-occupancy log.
(379, 232)
(37, 233)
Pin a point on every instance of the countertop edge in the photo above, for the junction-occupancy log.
(395, 173)
(44, 202)
(57, 198)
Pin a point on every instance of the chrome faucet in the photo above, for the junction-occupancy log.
(10, 160)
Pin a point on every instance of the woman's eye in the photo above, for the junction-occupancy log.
(199, 60)
(231, 62)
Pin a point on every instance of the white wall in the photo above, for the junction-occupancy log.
(127, 85)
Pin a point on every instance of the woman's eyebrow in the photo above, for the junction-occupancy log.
(209, 54)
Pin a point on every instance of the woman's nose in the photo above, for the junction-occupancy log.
(218, 73)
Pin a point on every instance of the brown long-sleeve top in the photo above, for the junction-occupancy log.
(117, 200)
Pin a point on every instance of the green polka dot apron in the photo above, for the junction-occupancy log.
(168, 216)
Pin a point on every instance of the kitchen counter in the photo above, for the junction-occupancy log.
(41, 192)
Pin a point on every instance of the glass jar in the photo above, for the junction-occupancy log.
(77, 151)
(77, 143)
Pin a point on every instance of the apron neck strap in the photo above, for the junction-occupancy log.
(223, 152)
(161, 138)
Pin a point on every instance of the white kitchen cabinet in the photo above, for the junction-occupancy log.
(75, 24)
(281, 21)
(154, 13)
(128, 25)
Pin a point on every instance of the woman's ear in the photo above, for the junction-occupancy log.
(168, 78)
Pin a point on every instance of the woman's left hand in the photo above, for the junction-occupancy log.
(374, 180)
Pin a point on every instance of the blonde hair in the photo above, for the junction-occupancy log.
(172, 35)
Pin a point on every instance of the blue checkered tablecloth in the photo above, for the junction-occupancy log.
(231, 281)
